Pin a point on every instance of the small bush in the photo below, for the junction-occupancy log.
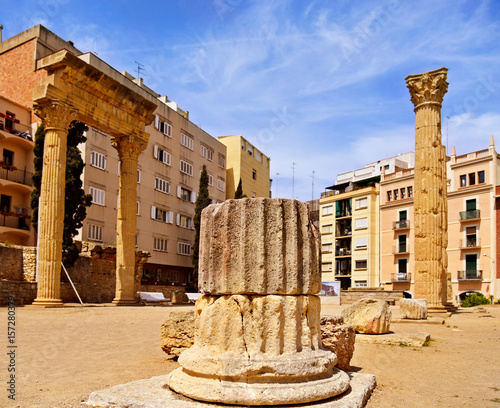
(475, 299)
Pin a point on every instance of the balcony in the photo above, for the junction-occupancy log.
(17, 176)
(470, 276)
(401, 277)
(341, 214)
(16, 221)
(343, 252)
(470, 215)
(401, 224)
(343, 272)
(401, 249)
(469, 243)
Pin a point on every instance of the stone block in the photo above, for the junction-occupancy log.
(369, 316)
(415, 309)
(339, 338)
(259, 246)
(177, 332)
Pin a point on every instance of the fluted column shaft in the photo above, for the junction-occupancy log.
(56, 116)
(129, 149)
(430, 190)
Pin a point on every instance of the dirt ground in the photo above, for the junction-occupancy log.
(63, 355)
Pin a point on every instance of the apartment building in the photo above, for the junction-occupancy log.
(168, 170)
(16, 169)
(246, 162)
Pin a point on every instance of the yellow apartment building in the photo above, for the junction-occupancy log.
(16, 169)
(246, 162)
(473, 209)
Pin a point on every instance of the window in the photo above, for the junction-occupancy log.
(138, 213)
(254, 193)
(162, 185)
(210, 180)
(138, 176)
(328, 209)
(8, 157)
(9, 120)
(396, 194)
(184, 221)
(326, 247)
(361, 223)
(186, 168)
(403, 193)
(183, 248)
(187, 141)
(185, 194)
(161, 155)
(362, 203)
(360, 264)
(361, 243)
(222, 161)
(343, 208)
(463, 180)
(243, 145)
(254, 174)
(206, 152)
(163, 127)
(95, 232)
(470, 205)
(159, 244)
(250, 150)
(410, 191)
(480, 177)
(98, 195)
(327, 229)
(389, 195)
(97, 160)
(360, 284)
(162, 215)
(402, 247)
(472, 179)
(402, 266)
(258, 155)
(221, 184)
(326, 267)
(471, 237)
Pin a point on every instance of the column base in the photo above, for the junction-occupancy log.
(124, 302)
(444, 309)
(48, 303)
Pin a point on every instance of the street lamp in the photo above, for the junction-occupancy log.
(492, 277)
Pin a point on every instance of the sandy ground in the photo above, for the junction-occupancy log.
(63, 355)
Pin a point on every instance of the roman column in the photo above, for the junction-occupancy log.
(129, 148)
(430, 196)
(56, 117)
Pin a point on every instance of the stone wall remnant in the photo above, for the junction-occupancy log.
(415, 309)
(368, 316)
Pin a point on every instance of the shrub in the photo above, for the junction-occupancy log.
(475, 299)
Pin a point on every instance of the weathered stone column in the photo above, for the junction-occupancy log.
(129, 148)
(56, 117)
(430, 196)
(257, 331)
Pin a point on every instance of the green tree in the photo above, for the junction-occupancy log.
(239, 191)
(202, 201)
(76, 201)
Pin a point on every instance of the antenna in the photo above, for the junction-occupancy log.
(277, 182)
(447, 121)
(312, 196)
(140, 67)
(293, 180)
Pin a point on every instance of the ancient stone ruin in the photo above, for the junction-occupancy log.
(257, 335)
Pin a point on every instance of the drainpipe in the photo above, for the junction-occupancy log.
(1, 28)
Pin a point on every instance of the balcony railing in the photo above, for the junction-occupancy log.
(469, 215)
(401, 224)
(401, 249)
(469, 243)
(15, 175)
(401, 277)
(470, 275)
(342, 252)
(346, 213)
(344, 272)
(15, 221)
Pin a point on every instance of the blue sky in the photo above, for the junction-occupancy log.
(316, 83)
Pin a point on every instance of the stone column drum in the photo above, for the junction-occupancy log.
(430, 192)
(257, 330)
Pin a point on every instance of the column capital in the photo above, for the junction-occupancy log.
(129, 146)
(428, 88)
(56, 114)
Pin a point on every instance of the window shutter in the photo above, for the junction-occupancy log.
(170, 217)
(179, 191)
(155, 152)
(157, 122)
(153, 212)
(193, 197)
(178, 219)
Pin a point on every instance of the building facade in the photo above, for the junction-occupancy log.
(246, 162)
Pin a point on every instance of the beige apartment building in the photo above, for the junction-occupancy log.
(16, 170)
(168, 170)
(246, 162)
(473, 226)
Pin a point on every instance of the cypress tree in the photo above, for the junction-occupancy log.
(202, 201)
(76, 200)
(239, 191)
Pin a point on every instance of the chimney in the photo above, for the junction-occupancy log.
(1, 28)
